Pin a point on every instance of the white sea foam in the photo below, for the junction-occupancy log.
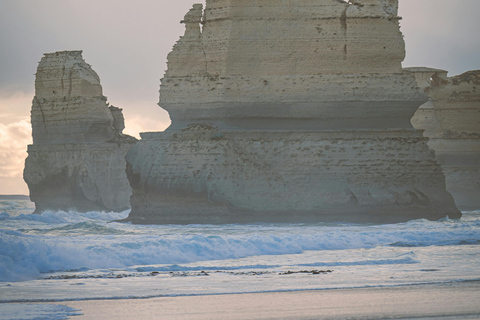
(15, 205)
(59, 256)
(381, 266)
(33, 245)
(15, 311)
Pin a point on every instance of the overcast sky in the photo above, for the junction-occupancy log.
(127, 42)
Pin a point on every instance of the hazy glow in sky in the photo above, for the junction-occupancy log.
(127, 42)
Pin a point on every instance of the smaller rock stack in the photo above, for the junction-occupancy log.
(451, 119)
(77, 157)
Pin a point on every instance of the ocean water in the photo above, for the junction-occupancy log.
(60, 256)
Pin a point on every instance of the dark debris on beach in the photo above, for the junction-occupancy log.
(307, 271)
(113, 275)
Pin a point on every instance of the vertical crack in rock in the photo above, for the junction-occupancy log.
(343, 22)
(63, 76)
(201, 23)
(36, 102)
(205, 59)
(77, 157)
(70, 83)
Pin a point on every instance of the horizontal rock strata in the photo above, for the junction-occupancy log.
(77, 157)
(293, 111)
(211, 176)
(451, 119)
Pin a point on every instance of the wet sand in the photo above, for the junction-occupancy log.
(447, 301)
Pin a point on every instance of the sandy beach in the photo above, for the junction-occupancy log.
(446, 301)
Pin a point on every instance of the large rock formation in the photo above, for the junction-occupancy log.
(77, 157)
(288, 111)
(451, 119)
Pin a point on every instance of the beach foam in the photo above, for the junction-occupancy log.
(16, 311)
(33, 245)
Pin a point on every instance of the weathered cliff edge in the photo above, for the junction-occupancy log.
(288, 111)
(77, 157)
(451, 119)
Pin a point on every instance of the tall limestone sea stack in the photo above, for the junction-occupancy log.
(451, 119)
(77, 157)
(288, 111)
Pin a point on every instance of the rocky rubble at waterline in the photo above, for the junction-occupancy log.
(288, 112)
(76, 160)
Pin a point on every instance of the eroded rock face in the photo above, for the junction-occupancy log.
(288, 111)
(77, 157)
(451, 119)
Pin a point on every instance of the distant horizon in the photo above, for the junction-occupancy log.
(15, 195)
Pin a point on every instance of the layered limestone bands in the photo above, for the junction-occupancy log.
(295, 102)
(203, 175)
(77, 157)
(451, 119)
(288, 111)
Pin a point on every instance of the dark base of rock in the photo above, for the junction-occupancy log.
(78, 177)
(463, 182)
(389, 215)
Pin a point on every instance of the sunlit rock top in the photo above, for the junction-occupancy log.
(292, 65)
(69, 106)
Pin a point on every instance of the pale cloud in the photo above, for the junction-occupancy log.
(14, 185)
(14, 105)
(135, 124)
(14, 138)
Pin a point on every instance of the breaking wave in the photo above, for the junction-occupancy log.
(32, 245)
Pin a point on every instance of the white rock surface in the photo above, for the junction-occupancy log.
(288, 111)
(77, 157)
(451, 119)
